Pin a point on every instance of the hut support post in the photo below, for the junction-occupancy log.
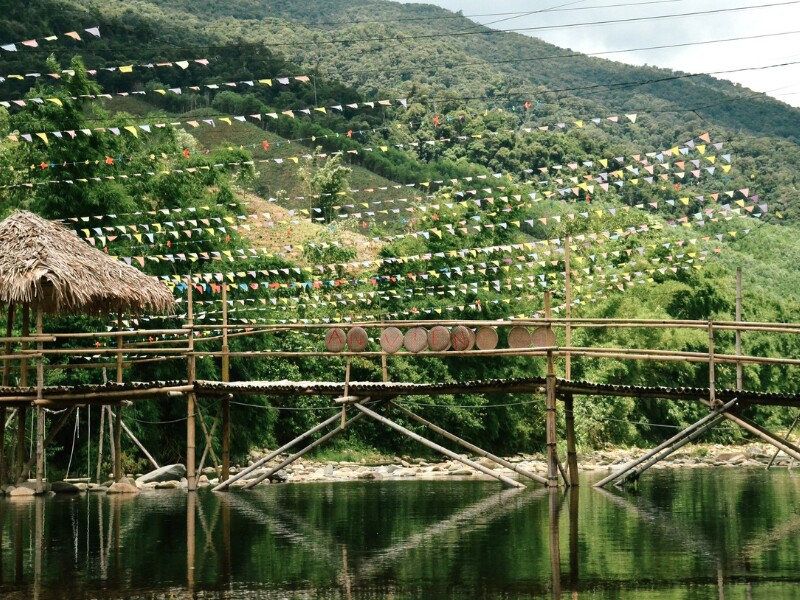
(550, 410)
(441, 449)
(111, 436)
(304, 451)
(100, 444)
(6, 380)
(118, 418)
(471, 447)
(191, 476)
(226, 401)
(674, 439)
(569, 400)
(739, 374)
(22, 424)
(40, 414)
(278, 452)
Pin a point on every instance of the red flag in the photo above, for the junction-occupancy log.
(527, 105)
(265, 144)
(436, 120)
(109, 160)
(186, 152)
(350, 133)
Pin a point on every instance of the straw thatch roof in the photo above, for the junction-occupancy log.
(44, 263)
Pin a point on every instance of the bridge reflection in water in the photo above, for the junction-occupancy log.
(424, 539)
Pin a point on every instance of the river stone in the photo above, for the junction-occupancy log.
(63, 487)
(21, 491)
(167, 473)
(123, 488)
(489, 464)
(167, 485)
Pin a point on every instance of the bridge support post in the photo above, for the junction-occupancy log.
(700, 426)
(22, 419)
(434, 446)
(572, 451)
(191, 476)
(6, 380)
(226, 402)
(117, 441)
(550, 410)
(471, 447)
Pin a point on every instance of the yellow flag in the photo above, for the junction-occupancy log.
(132, 129)
(43, 137)
(126, 69)
(55, 101)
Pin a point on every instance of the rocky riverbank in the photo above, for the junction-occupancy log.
(308, 471)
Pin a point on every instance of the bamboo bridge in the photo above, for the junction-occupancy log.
(535, 339)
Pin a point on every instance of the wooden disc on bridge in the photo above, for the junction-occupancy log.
(543, 337)
(357, 339)
(519, 337)
(439, 339)
(416, 339)
(335, 340)
(486, 338)
(391, 340)
(462, 338)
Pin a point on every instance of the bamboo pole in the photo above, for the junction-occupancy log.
(786, 439)
(190, 543)
(6, 377)
(677, 437)
(135, 440)
(572, 450)
(40, 414)
(787, 448)
(111, 448)
(226, 401)
(102, 437)
(568, 310)
(555, 546)
(339, 429)
(738, 333)
(209, 436)
(244, 472)
(471, 447)
(22, 425)
(191, 476)
(46, 440)
(574, 560)
(118, 417)
(550, 409)
(434, 446)
(712, 373)
(636, 473)
(208, 445)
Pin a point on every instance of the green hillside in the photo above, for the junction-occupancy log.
(403, 169)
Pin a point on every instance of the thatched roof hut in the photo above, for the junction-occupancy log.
(43, 263)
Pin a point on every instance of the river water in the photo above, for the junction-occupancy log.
(684, 534)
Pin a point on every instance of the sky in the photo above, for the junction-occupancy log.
(781, 82)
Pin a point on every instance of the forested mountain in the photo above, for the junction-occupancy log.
(365, 159)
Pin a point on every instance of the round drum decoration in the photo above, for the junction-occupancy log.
(391, 340)
(357, 339)
(519, 337)
(543, 337)
(439, 339)
(486, 338)
(335, 340)
(416, 339)
(462, 338)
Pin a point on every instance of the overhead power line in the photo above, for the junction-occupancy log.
(487, 31)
